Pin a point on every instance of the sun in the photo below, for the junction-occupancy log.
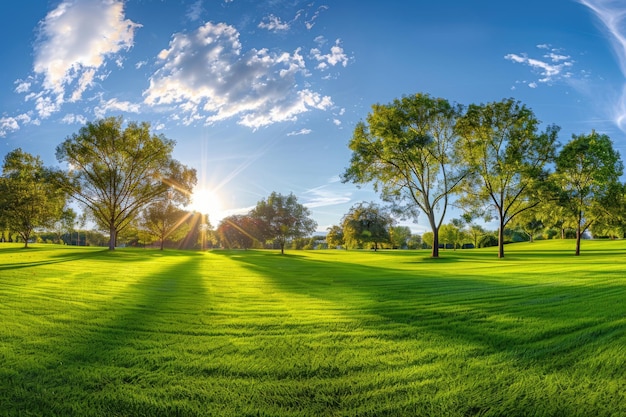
(205, 201)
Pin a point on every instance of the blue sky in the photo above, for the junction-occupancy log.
(263, 95)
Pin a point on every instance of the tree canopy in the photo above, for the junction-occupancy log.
(407, 150)
(507, 157)
(587, 173)
(367, 223)
(281, 218)
(31, 195)
(116, 171)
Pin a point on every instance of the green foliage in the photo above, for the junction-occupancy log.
(407, 150)
(117, 171)
(587, 173)
(507, 157)
(335, 237)
(31, 195)
(93, 333)
(162, 219)
(366, 223)
(280, 218)
(238, 231)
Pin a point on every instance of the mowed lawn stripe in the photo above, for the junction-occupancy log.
(88, 332)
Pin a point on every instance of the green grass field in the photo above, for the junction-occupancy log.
(87, 332)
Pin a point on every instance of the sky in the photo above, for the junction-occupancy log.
(264, 95)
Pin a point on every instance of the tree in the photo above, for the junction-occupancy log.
(407, 150)
(334, 237)
(237, 231)
(64, 224)
(366, 223)
(31, 195)
(508, 159)
(428, 238)
(281, 218)
(399, 236)
(116, 171)
(163, 219)
(587, 172)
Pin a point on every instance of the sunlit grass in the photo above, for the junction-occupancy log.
(87, 332)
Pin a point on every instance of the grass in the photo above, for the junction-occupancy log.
(87, 332)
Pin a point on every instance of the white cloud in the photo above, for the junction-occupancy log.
(75, 40)
(322, 197)
(71, 118)
(612, 14)
(10, 124)
(552, 66)
(274, 24)
(22, 86)
(309, 23)
(194, 12)
(300, 132)
(208, 76)
(115, 105)
(336, 56)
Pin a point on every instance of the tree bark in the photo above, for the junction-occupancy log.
(501, 241)
(112, 236)
(435, 252)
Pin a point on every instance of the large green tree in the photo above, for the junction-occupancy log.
(587, 172)
(508, 157)
(31, 195)
(118, 170)
(281, 218)
(407, 150)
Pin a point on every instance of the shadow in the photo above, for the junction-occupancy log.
(111, 348)
(72, 254)
(532, 323)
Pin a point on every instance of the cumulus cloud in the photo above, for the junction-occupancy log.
(336, 56)
(75, 40)
(10, 124)
(612, 15)
(208, 76)
(552, 66)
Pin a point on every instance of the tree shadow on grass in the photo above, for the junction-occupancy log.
(531, 323)
(103, 353)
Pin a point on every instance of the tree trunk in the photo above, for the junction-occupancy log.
(501, 240)
(112, 236)
(162, 243)
(282, 248)
(435, 252)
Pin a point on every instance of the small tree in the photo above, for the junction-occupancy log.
(162, 219)
(588, 171)
(31, 195)
(281, 218)
(399, 236)
(367, 223)
(334, 237)
(238, 231)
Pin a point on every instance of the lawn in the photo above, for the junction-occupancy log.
(88, 332)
